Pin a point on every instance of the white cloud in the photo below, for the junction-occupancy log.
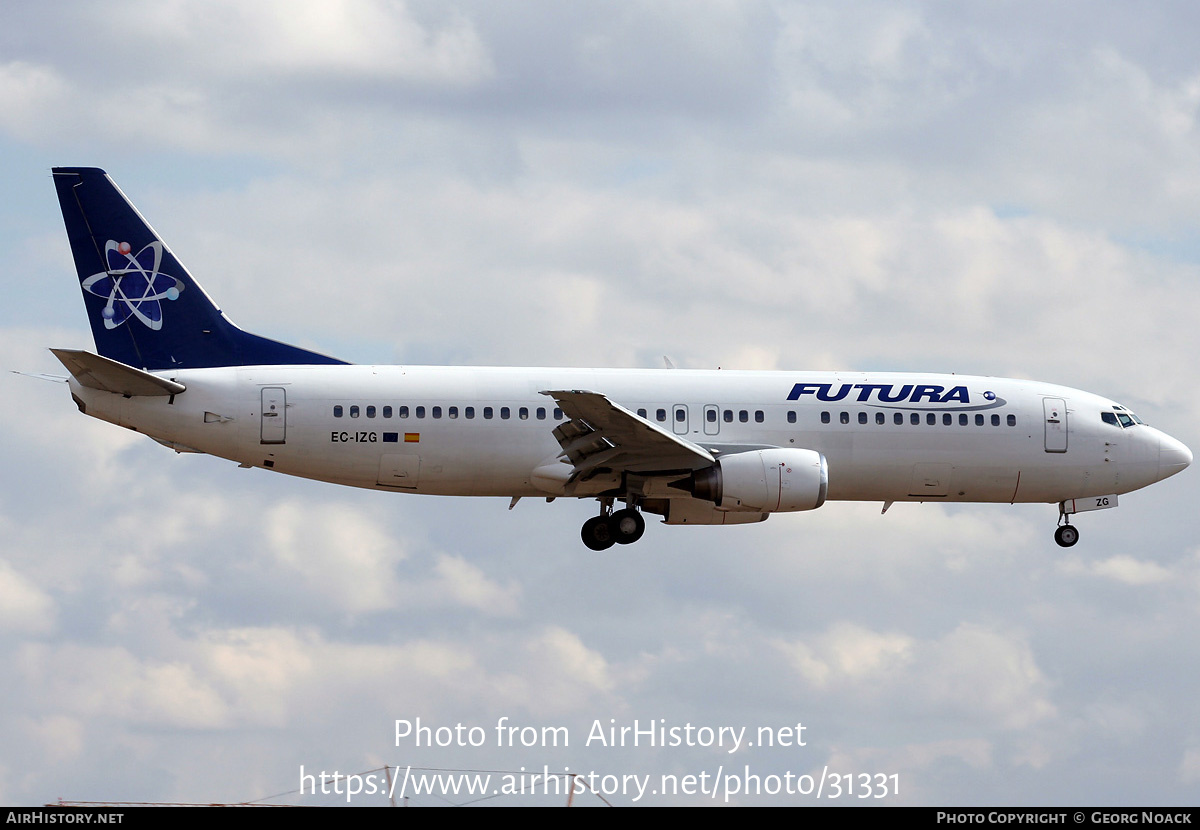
(23, 605)
(27, 91)
(553, 674)
(973, 752)
(1122, 568)
(464, 584)
(986, 673)
(262, 672)
(1189, 767)
(973, 671)
(60, 738)
(227, 74)
(848, 655)
(339, 553)
(358, 38)
(112, 683)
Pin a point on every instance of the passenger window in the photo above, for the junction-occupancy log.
(370, 412)
(523, 413)
(487, 413)
(452, 412)
(931, 419)
(728, 416)
(660, 414)
(962, 420)
(744, 416)
(420, 412)
(845, 417)
(758, 416)
(862, 417)
(710, 415)
(337, 412)
(437, 412)
(469, 412)
(1012, 420)
(791, 416)
(978, 420)
(947, 419)
(558, 414)
(505, 413)
(387, 412)
(879, 419)
(404, 412)
(541, 413)
(898, 419)
(354, 412)
(680, 414)
(824, 416)
(995, 420)
(641, 413)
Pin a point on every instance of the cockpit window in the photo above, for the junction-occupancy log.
(1120, 415)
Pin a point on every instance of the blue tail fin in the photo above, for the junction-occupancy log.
(145, 309)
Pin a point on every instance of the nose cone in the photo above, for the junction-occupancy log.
(1173, 456)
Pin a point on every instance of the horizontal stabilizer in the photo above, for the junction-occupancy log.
(96, 372)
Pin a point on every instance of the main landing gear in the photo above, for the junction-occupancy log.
(620, 527)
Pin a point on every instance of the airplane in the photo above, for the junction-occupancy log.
(694, 447)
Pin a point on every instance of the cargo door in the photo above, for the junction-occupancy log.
(930, 480)
(397, 470)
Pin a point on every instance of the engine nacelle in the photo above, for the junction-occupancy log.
(763, 481)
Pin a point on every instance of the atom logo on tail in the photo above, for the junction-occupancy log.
(132, 285)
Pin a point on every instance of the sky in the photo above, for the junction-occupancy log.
(1006, 189)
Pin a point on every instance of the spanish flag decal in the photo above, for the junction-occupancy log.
(412, 437)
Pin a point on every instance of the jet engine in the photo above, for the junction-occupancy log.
(763, 481)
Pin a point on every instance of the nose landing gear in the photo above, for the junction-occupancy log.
(622, 527)
(1066, 535)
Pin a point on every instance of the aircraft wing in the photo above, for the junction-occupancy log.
(602, 434)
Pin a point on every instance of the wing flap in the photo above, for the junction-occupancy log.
(601, 433)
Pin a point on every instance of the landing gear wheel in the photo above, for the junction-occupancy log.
(628, 526)
(598, 533)
(1066, 536)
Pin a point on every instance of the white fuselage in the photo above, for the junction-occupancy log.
(476, 431)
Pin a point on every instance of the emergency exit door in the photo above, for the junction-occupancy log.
(274, 415)
(1056, 424)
